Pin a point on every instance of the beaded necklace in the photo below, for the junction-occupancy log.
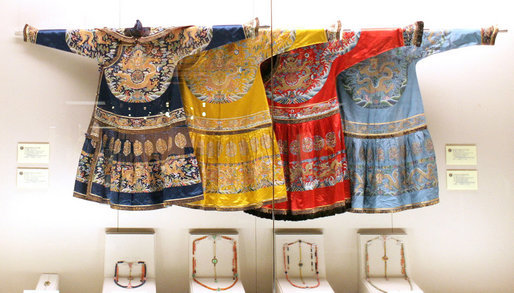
(130, 277)
(214, 261)
(314, 262)
(385, 258)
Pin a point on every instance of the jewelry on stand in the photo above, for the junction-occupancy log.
(385, 258)
(130, 277)
(314, 263)
(215, 261)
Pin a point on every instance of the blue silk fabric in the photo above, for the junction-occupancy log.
(391, 158)
(136, 155)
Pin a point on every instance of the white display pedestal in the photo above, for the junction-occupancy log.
(130, 245)
(306, 249)
(387, 268)
(207, 247)
(48, 283)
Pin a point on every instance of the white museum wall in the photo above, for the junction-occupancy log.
(463, 244)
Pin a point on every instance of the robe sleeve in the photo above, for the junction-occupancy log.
(440, 41)
(281, 41)
(92, 43)
(226, 34)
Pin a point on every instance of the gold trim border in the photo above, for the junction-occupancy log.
(166, 203)
(394, 210)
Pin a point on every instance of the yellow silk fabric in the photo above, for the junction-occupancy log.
(229, 120)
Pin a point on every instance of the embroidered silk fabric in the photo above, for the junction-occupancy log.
(138, 154)
(391, 157)
(307, 122)
(230, 122)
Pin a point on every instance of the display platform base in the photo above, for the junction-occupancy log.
(111, 287)
(391, 285)
(284, 286)
(47, 283)
(222, 283)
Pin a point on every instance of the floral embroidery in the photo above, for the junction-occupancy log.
(331, 139)
(148, 148)
(307, 144)
(294, 147)
(127, 148)
(117, 146)
(180, 140)
(319, 143)
(138, 148)
(84, 168)
(160, 145)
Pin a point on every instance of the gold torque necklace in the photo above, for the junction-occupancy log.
(385, 258)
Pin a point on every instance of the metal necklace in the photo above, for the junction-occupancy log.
(385, 258)
(130, 277)
(215, 261)
(314, 263)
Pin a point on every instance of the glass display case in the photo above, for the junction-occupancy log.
(239, 146)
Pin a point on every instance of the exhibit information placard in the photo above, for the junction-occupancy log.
(461, 154)
(32, 178)
(462, 179)
(33, 153)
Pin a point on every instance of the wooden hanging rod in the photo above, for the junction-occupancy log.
(20, 33)
(427, 29)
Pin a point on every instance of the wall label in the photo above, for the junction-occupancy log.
(33, 153)
(462, 179)
(32, 178)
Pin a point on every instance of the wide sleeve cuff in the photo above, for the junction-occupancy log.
(30, 34)
(413, 34)
(53, 38)
(489, 35)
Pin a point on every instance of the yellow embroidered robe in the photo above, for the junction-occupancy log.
(230, 123)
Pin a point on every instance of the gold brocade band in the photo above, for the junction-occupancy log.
(234, 208)
(167, 203)
(386, 135)
(394, 210)
(231, 132)
(296, 121)
(315, 210)
(172, 118)
(229, 124)
(131, 40)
